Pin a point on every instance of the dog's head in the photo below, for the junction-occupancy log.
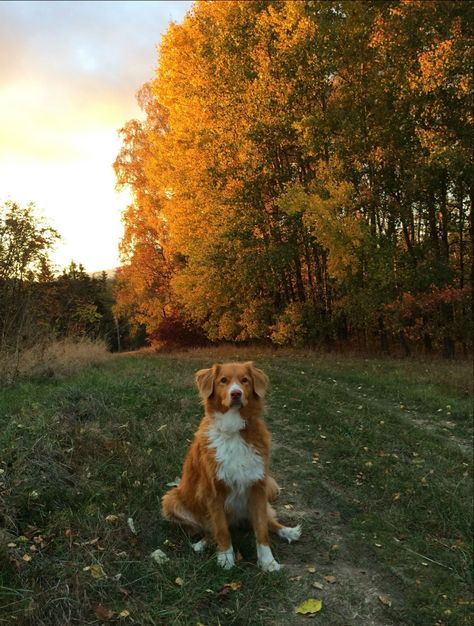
(231, 385)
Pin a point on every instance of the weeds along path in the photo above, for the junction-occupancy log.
(360, 450)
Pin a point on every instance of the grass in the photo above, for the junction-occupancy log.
(374, 457)
(56, 358)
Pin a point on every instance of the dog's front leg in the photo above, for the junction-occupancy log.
(220, 532)
(259, 518)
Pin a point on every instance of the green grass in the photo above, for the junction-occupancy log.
(374, 457)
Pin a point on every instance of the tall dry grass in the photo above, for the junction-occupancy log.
(56, 359)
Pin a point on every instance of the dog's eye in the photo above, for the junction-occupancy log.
(245, 380)
(223, 380)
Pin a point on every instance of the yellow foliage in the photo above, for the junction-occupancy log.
(329, 213)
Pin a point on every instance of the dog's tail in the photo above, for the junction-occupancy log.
(273, 489)
(173, 510)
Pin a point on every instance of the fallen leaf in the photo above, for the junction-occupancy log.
(11, 545)
(92, 542)
(288, 506)
(330, 579)
(124, 613)
(234, 585)
(159, 556)
(103, 613)
(169, 543)
(385, 600)
(131, 525)
(311, 570)
(97, 571)
(295, 578)
(26, 557)
(317, 585)
(179, 581)
(309, 606)
(111, 519)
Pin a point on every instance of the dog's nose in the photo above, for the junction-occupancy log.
(236, 394)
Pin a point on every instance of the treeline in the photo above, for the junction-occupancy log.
(304, 175)
(38, 306)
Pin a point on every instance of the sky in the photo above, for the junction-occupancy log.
(69, 72)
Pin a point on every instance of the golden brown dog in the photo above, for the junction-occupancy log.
(225, 476)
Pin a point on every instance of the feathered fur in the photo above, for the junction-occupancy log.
(225, 476)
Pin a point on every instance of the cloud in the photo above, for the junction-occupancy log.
(69, 72)
(73, 64)
(106, 45)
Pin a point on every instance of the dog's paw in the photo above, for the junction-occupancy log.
(226, 558)
(266, 560)
(273, 566)
(199, 546)
(290, 534)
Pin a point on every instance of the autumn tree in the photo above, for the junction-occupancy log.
(303, 168)
(25, 244)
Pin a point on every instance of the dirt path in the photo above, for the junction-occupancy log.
(354, 588)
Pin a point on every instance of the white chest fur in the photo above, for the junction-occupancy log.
(238, 464)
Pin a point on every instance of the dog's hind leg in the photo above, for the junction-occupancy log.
(285, 532)
(273, 489)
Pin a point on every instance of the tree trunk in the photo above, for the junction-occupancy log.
(433, 226)
(471, 198)
(444, 217)
(383, 336)
(461, 236)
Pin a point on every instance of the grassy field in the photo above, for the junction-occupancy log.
(374, 458)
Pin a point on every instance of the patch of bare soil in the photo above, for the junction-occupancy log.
(445, 429)
(330, 564)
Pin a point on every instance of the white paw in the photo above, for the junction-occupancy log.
(199, 545)
(290, 534)
(266, 560)
(273, 566)
(226, 558)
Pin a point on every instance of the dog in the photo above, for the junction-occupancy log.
(225, 479)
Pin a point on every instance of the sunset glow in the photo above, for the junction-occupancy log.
(68, 78)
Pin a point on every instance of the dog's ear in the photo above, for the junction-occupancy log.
(260, 380)
(205, 381)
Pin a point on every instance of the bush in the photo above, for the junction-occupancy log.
(174, 332)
